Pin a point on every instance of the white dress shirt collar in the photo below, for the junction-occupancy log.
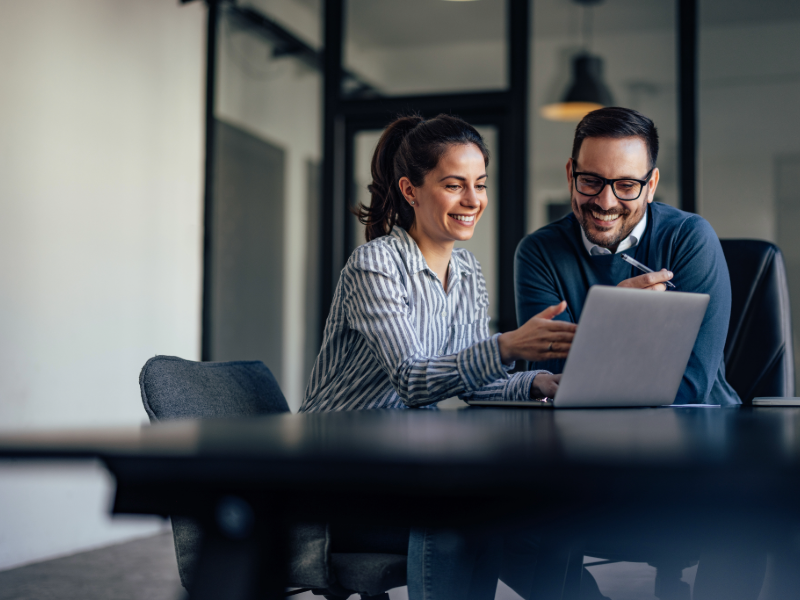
(628, 242)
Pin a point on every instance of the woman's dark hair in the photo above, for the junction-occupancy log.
(409, 147)
(616, 122)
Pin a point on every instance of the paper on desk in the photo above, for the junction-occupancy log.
(693, 405)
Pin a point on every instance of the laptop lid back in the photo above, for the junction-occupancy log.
(631, 348)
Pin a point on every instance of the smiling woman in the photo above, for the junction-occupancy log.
(449, 205)
(409, 322)
(441, 194)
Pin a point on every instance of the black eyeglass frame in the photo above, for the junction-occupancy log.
(611, 182)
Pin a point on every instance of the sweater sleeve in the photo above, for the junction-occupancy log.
(513, 388)
(699, 265)
(536, 288)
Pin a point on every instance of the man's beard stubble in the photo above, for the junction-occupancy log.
(629, 221)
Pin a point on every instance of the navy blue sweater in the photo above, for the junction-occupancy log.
(552, 265)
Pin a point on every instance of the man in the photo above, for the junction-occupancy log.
(612, 178)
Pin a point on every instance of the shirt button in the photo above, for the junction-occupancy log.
(444, 313)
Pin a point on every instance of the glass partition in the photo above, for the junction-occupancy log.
(265, 205)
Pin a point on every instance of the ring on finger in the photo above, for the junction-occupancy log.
(550, 347)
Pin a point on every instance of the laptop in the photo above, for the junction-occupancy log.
(631, 349)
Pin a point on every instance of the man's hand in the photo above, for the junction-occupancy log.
(544, 385)
(648, 281)
(540, 338)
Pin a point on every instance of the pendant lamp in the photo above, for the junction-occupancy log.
(587, 90)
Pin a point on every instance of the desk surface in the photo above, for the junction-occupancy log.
(748, 456)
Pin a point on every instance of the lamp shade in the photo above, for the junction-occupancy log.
(586, 93)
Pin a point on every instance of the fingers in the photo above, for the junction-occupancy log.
(558, 349)
(541, 338)
(547, 325)
(552, 311)
(558, 326)
(545, 385)
(648, 280)
(558, 352)
(565, 337)
(551, 340)
(551, 351)
(659, 287)
(658, 277)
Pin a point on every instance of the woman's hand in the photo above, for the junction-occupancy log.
(540, 338)
(545, 385)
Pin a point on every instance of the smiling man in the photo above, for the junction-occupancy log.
(612, 178)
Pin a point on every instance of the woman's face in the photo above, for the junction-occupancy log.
(451, 200)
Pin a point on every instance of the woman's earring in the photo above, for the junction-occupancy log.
(412, 203)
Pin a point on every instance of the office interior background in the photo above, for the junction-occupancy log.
(103, 145)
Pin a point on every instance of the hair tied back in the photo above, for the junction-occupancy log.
(410, 146)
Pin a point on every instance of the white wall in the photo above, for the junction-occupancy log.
(55, 508)
(101, 153)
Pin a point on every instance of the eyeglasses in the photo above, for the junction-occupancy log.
(624, 189)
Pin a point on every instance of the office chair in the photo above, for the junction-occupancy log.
(174, 388)
(759, 354)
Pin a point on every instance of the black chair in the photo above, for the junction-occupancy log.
(759, 354)
(174, 388)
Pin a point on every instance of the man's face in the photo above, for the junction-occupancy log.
(605, 219)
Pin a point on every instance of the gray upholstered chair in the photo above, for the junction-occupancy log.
(174, 388)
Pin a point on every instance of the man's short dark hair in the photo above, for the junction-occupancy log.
(616, 122)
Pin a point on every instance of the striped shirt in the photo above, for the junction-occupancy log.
(394, 339)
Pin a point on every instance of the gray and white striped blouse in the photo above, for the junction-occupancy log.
(394, 339)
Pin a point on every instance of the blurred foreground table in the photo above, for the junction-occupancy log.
(674, 475)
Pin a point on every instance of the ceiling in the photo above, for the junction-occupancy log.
(725, 12)
(393, 23)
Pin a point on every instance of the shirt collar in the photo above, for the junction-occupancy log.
(630, 241)
(415, 261)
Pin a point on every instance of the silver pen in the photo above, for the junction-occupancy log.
(642, 267)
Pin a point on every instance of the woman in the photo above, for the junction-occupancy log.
(409, 321)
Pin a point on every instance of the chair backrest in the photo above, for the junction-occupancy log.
(174, 388)
(759, 355)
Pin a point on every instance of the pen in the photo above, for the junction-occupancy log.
(642, 267)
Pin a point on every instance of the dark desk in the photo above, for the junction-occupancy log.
(686, 472)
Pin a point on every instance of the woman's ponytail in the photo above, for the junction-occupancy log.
(387, 205)
(409, 147)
